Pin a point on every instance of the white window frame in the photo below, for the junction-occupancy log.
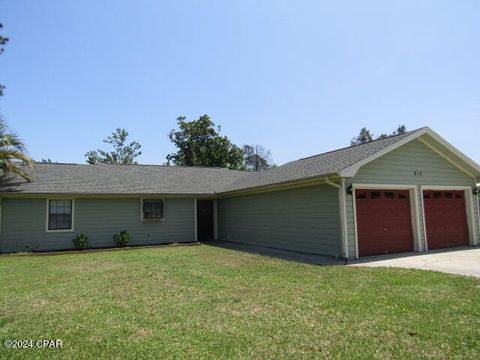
(47, 206)
(152, 198)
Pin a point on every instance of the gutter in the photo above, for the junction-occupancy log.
(317, 179)
(343, 214)
(329, 182)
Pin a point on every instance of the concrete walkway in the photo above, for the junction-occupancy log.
(461, 261)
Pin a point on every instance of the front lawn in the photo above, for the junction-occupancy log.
(206, 302)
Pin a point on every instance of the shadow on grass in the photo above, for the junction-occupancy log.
(275, 253)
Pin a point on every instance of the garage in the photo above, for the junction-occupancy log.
(445, 218)
(384, 221)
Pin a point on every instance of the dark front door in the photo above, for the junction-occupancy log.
(204, 220)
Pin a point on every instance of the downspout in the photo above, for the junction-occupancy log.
(343, 214)
(215, 219)
(195, 218)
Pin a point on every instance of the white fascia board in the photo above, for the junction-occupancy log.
(352, 170)
(453, 149)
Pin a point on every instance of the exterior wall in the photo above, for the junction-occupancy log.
(397, 167)
(302, 219)
(23, 223)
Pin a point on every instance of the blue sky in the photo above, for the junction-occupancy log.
(299, 77)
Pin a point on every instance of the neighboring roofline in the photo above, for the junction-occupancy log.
(352, 170)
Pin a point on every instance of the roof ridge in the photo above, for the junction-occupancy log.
(357, 145)
(147, 165)
(56, 163)
(242, 171)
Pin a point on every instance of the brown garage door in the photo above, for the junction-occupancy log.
(384, 223)
(446, 218)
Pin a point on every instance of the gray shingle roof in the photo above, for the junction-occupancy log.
(153, 179)
(122, 179)
(331, 162)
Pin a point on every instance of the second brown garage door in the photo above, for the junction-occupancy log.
(384, 222)
(446, 218)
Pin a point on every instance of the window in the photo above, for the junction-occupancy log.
(362, 195)
(389, 195)
(402, 195)
(375, 195)
(60, 215)
(152, 209)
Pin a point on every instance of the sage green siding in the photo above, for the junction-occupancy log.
(23, 226)
(303, 219)
(397, 167)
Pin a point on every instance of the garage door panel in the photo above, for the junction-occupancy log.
(383, 221)
(445, 218)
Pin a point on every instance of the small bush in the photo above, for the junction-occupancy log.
(80, 242)
(121, 238)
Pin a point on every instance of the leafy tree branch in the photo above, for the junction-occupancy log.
(122, 153)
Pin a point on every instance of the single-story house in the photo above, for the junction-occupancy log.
(409, 192)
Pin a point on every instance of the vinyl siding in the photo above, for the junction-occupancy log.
(303, 220)
(397, 167)
(24, 222)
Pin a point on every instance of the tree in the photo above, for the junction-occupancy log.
(366, 136)
(363, 137)
(13, 157)
(3, 41)
(402, 129)
(256, 157)
(199, 143)
(122, 153)
(46, 161)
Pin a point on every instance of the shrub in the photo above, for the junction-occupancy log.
(121, 238)
(80, 242)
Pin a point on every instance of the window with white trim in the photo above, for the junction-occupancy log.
(152, 209)
(60, 214)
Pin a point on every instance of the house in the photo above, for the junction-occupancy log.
(410, 192)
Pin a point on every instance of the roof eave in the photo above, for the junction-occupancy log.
(107, 195)
(352, 170)
(472, 164)
(317, 179)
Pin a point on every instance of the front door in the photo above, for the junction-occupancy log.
(204, 220)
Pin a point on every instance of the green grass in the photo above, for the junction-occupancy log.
(206, 302)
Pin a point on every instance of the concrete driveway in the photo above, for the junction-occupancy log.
(462, 261)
